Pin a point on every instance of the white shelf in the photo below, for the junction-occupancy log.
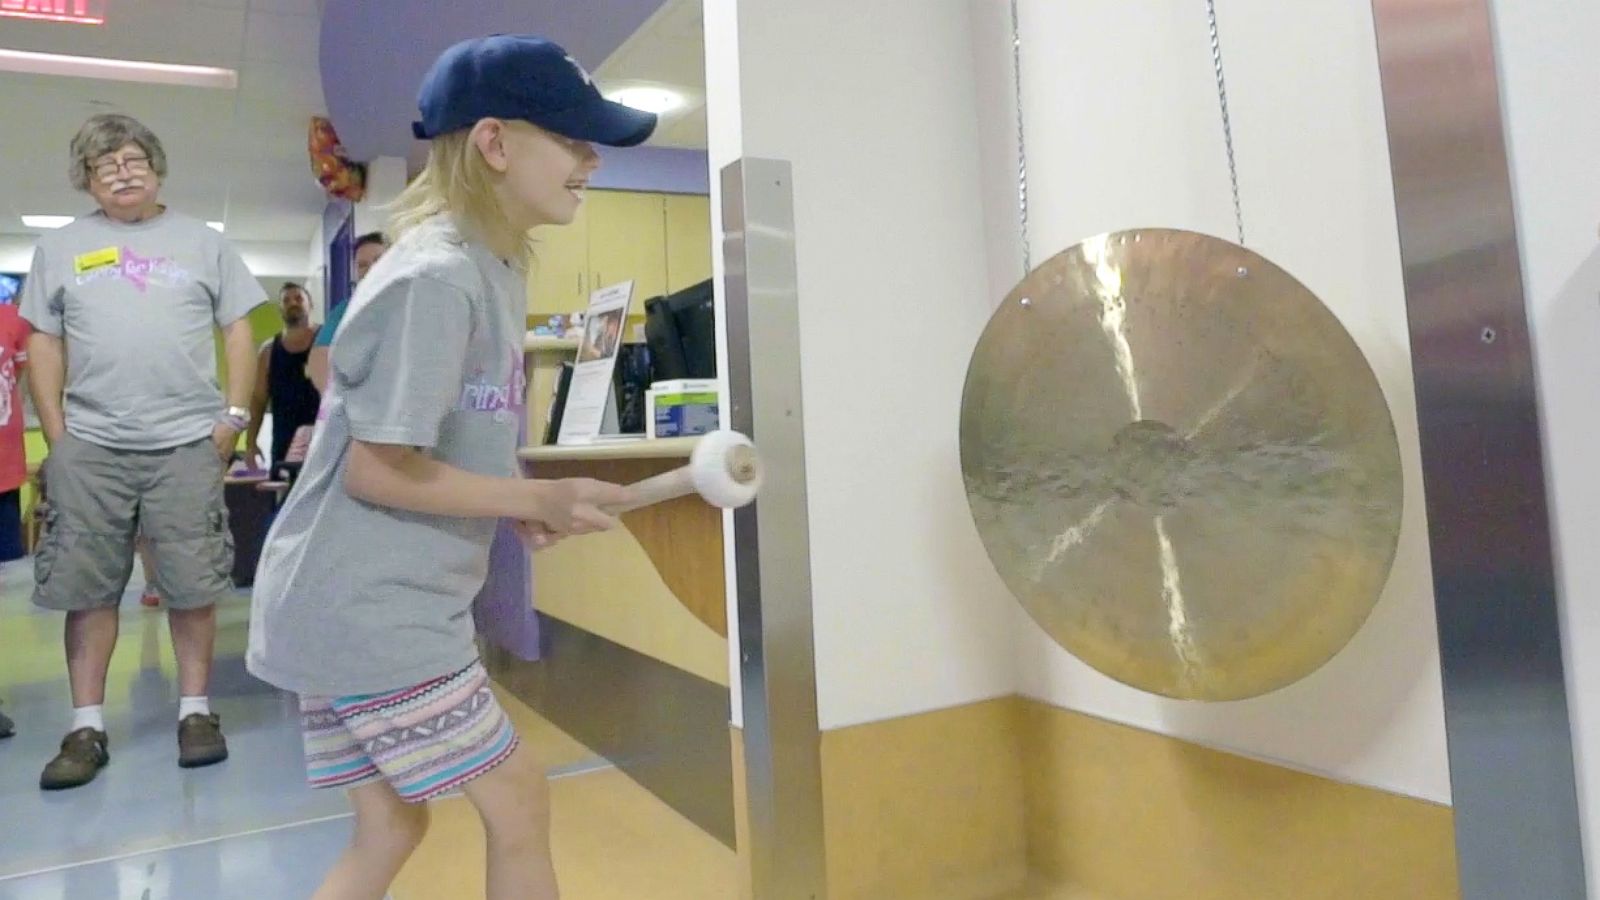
(546, 343)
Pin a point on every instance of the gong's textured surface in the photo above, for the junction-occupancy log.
(1181, 464)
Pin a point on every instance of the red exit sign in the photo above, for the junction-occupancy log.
(82, 12)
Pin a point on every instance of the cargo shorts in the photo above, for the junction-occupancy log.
(98, 499)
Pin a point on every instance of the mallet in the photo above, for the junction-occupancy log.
(724, 469)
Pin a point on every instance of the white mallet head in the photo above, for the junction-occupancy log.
(726, 469)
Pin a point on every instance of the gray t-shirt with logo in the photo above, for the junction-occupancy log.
(138, 305)
(355, 598)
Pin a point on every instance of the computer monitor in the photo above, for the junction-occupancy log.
(681, 332)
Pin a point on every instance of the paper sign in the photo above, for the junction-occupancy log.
(590, 393)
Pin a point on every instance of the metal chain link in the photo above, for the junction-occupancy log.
(1022, 151)
(1227, 123)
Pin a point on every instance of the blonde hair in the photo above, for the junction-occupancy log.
(457, 181)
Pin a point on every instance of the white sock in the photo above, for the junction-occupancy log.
(88, 717)
(188, 706)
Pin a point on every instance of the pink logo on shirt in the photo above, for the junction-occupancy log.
(479, 394)
(141, 271)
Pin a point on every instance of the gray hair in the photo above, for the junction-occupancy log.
(108, 133)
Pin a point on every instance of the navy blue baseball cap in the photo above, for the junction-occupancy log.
(524, 77)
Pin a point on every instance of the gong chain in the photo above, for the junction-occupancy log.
(1022, 151)
(1227, 124)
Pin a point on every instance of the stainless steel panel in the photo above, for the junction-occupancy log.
(772, 549)
(1511, 771)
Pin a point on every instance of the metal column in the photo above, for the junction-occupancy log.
(1511, 768)
(771, 537)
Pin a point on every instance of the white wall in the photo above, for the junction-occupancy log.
(1124, 131)
(1550, 75)
(316, 271)
(386, 178)
(272, 259)
(16, 253)
(893, 289)
(725, 144)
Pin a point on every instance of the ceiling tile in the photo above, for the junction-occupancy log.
(282, 39)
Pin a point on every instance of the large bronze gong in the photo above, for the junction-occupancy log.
(1181, 464)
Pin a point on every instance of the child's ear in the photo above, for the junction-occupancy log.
(489, 136)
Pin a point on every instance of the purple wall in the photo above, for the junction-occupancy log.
(374, 52)
(662, 169)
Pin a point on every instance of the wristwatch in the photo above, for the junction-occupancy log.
(236, 416)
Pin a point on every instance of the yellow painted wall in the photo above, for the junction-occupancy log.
(558, 275)
(1016, 798)
(688, 241)
(927, 806)
(1135, 814)
(660, 241)
(628, 240)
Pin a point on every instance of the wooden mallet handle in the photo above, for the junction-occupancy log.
(724, 469)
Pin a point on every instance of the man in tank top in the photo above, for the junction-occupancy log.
(281, 383)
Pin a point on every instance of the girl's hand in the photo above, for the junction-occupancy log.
(570, 506)
(535, 536)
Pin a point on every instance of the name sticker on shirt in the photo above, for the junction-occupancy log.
(98, 259)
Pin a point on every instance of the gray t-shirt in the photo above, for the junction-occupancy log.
(138, 306)
(355, 598)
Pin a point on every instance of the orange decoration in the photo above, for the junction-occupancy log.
(334, 170)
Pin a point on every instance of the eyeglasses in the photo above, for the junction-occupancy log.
(136, 165)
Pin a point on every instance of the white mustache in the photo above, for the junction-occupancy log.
(129, 183)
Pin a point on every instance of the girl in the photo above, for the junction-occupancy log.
(362, 604)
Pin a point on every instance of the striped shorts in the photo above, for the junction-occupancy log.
(425, 740)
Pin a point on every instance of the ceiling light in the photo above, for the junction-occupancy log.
(46, 221)
(649, 99)
(30, 63)
(215, 226)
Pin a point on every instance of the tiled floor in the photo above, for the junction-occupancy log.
(249, 828)
(142, 801)
(282, 862)
(613, 841)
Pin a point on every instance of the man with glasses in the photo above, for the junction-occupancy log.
(124, 304)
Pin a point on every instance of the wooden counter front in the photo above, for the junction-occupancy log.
(683, 537)
(604, 584)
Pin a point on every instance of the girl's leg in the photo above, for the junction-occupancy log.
(513, 799)
(387, 831)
